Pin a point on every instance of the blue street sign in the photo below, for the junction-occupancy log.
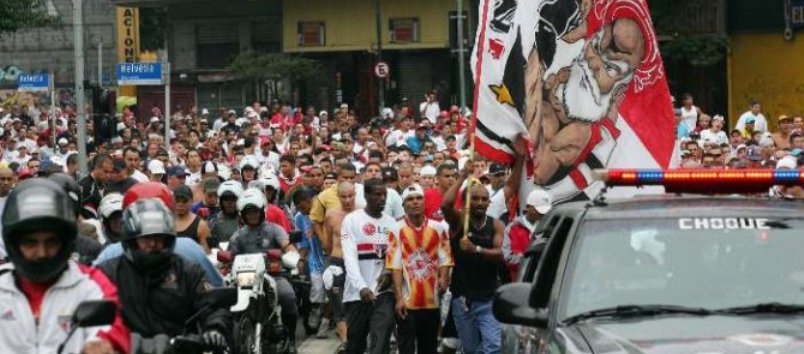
(34, 82)
(139, 74)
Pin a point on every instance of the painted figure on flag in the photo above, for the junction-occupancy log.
(586, 80)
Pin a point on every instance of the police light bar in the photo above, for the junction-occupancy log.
(703, 181)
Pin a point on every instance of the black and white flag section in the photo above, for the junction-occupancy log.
(582, 79)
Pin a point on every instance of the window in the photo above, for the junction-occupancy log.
(404, 30)
(311, 34)
(216, 44)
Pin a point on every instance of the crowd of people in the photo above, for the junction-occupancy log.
(753, 142)
(377, 203)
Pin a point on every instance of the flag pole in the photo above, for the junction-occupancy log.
(467, 205)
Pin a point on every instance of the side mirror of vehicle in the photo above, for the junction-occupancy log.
(511, 306)
(222, 297)
(94, 313)
(295, 236)
(90, 314)
(224, 256)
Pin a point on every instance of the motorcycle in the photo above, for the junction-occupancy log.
(187, 343)
(257, 314)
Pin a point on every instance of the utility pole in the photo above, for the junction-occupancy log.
(78, 33)
(100, 64)
(461, 58)
(379, 54)
(166, 72)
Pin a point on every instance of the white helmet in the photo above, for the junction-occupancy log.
(232, 187)
(110, 204)
(251, 197)
(270, 180)
(249, 161)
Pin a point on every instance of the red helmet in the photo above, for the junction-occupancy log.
(147, 190)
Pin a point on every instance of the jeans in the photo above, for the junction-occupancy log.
(375, 319)
(287, 301)
(479, 331)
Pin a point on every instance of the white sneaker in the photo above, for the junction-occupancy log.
(323, 329)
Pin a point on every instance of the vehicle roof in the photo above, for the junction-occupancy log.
(670, 206)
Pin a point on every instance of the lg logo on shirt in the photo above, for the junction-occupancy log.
(370, 229)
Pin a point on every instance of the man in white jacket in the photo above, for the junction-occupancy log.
(41, 287)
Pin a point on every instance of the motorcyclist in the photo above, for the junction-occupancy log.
(186, 248)
(87, 249)
(159, 290)
(248, 169)
(258, 236)
(224, 224)
(41, 286)
(275, 213)
(111, 213)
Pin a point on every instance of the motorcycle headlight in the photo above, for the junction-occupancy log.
(246, 279)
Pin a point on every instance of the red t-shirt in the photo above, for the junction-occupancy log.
(275, 215)
(432, 204)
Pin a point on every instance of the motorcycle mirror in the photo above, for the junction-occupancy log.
(90, 314)
(224, 256)
(295, 236)
(94, 313)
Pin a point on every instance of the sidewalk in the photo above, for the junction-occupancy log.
(319, 346)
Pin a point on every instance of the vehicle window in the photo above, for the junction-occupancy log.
(552, 256)
(692, 262)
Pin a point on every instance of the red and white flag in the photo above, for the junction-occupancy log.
(583, 79)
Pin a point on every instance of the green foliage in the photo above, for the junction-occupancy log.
(153, 26)
(682, 39)
(19, 14)
(273, 66)
(698, 50)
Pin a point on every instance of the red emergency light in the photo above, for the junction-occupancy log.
(703, 181)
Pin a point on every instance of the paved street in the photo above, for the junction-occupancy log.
(318, 346)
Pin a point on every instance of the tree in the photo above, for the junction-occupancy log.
(261, 67)
(19, 14)
(684, 39)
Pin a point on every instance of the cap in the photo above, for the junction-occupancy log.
(427, 171)
(787, 163)
(444, 114)
(183, 191)
(161, 153)
(156, 167)
(750, 120)
(154, 120)
(211, 186)
(540, 200)
(754, 154)
(63, 141)
(412, 191)
(331, 175)
(495, 169)
(421, 126)
(176, 171)
(390, 174)
(784, 117)
(204, 111)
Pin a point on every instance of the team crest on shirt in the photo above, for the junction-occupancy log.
(369, 229)
(420, 265)
(65, 323)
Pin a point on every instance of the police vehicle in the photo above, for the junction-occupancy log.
(664, 274)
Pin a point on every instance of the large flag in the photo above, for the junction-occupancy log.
(582, 79)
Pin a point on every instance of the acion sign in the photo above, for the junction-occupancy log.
(143, 74)
(128, 34)
(33, 82)
(796, 13)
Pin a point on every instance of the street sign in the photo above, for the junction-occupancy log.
(33, 82)
(381, 70)
(143, 74)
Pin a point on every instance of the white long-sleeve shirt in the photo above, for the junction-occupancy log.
(364, 241)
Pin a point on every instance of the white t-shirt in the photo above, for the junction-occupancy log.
(139, 176)
(364, 241)
(689, 117)
(717, 138)
(399, 138)
(430, 110)
(761, 124)
(497, 205)
(393, 204)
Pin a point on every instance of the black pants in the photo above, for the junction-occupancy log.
(418, 332)
(375, 319)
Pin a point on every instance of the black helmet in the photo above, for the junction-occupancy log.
(148, 217)
(71, 187)
(39, 205)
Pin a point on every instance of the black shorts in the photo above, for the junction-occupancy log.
(335, 294)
